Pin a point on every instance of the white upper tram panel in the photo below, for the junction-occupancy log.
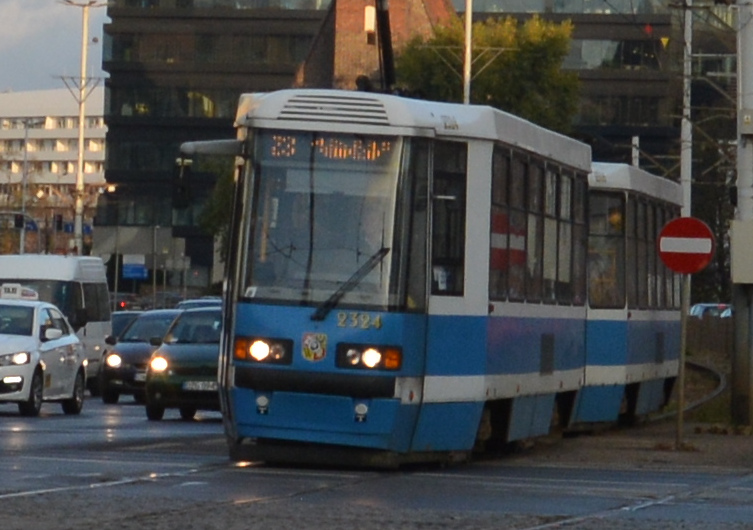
(350, 111)
(608, 176)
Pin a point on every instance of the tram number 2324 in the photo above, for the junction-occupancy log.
(354, 319)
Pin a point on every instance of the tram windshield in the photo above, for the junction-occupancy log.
(323, 217)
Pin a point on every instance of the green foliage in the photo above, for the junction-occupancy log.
(214, 218)
(516, 68)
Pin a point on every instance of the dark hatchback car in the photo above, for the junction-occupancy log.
(124, 366)
(182, 372)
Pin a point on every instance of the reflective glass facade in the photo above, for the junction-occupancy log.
(594, 7)
(177, 69)
(225, 4)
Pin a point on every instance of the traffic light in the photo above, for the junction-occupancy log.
(18, 220)
(58, 222)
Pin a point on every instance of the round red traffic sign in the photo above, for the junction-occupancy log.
(686, 245)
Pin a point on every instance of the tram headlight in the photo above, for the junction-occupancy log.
(369, 357)
(259, 350)
(263, 350)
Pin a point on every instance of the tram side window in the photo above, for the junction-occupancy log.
(580, 240)
(652, 256)
(565, 241)
(606, 275)
(550, 235)
(535, 234)
(671, 280)
(642, 254)
(416, 227)
(499, 252)
(448, 220)
(517, 232)
(631, 259)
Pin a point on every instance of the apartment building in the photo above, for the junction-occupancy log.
(39, 147)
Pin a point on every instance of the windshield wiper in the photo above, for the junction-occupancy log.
(323, 310)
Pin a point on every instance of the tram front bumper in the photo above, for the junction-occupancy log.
(377, 423)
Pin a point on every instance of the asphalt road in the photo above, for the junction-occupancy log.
(111, 468)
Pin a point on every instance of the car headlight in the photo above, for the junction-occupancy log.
(158, 364)
(114, 360)
(264, 350)
(369, 357)
(15, 359)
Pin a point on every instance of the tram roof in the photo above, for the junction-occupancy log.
(351, 111)
(608, 175)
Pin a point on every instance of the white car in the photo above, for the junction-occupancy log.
(41, 358)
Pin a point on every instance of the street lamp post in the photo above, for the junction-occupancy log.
(78, 225)
(27, 122)
(24, 184)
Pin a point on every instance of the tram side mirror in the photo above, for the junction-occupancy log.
(182, 183)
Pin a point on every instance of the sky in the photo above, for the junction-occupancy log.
(40, 43)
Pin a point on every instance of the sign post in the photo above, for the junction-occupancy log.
(686, 246)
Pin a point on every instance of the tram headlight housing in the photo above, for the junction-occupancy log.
(263, 350)
(369, 357)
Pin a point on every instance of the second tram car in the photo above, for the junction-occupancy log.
(409, 280)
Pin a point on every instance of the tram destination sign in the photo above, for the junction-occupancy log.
(686, 245)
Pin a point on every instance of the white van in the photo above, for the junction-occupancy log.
(77, 285)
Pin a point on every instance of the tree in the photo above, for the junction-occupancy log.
(517, 68)
(214, 218)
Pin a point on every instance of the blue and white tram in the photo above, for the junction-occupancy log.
(633, 329)
(408, 282)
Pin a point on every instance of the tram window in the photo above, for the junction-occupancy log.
(535, 234)
(580, 240)
(500, 251)
(518, 177)
(448, 219)
(660, 269)
(517, 255)
(606, 286)
(565, 241)
(500, 176)
(652, 256)
(631, 260)
(534, 257)
(416, 284)
(550, 235)
(642, 255)
(517, 230)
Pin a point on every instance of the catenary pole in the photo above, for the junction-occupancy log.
(741, 236)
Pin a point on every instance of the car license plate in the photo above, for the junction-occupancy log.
(202, 386)
(140, 377)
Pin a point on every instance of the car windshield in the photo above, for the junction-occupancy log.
(146, 327)
(16, 320)
(120, 320)
(196, 327)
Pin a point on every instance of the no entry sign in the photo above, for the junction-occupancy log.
(686, 245)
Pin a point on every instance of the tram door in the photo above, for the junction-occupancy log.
(446, 329)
